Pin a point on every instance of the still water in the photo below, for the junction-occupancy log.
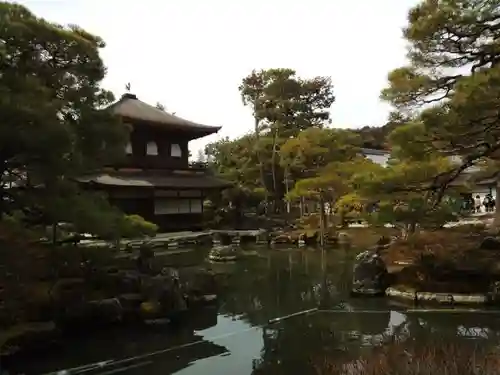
(236, 337)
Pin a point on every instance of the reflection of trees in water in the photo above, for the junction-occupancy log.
(282, 284)
(285, 283)
(119, 343)
(288, 348)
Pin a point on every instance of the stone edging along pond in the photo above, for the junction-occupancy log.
(402, 292)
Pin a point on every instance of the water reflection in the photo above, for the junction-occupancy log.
(237, 338)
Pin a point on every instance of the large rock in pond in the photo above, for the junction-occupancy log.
(370, 276)
(490, 243)
(281, 239)
(166, 290)
(226, 253)
(86, 314)
(305, 239)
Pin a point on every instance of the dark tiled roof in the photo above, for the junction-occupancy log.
(144, 179)
(132, 108)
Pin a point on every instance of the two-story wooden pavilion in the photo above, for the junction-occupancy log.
(155, 180)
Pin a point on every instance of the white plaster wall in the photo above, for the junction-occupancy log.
(379, 159)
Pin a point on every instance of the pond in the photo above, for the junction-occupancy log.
(237, 337)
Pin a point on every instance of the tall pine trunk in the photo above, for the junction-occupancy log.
(322, 219)
(273, 166)
(260, 161)
(497, 203)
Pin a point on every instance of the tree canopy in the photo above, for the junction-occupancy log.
(283, 104)
(54, 126)
(452, 80)
(396, 189)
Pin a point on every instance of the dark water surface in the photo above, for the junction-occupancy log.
(236, 337)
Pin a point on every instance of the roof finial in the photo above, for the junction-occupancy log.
(127, 87)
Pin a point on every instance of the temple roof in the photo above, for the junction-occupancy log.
(152, 180)
(131, 108)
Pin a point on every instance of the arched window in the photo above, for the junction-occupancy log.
(152, 149)
(128, 149)
(175, 150)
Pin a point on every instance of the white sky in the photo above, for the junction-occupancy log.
(191, 55)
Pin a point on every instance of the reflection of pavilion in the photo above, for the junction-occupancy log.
(127, 343)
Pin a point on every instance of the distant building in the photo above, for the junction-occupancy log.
(377, 156)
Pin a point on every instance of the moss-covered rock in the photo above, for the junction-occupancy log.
(228, 253)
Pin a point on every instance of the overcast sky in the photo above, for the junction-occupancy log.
(191, 55)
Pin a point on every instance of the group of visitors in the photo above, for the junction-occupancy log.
(476, 204)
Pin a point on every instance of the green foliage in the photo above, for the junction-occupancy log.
(399, 188)
(413, 210)
(283, 104)
(54, 127)
(235, 160)
(282, 100)
(132, 226)
(454, 73)
(334, 180)
(315, 148)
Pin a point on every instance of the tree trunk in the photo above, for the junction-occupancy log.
(322, 220)
(497, 203)
(261, 164)
(408, 230)
(287, 190)
(54, 234)
(273, 165)
(342, 220)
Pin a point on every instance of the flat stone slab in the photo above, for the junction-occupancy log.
(251, 233)
(443, 298)
(173, 239)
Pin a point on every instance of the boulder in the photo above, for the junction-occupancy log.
(490, 243)
(370, 276)
(68, 291)
(107, 310)
(85, 314)
(27, 337)
(129, 281)
(344, 239)
(281, 239)
(226, 253)
(304, 239)
(131, 304)
(166, 290)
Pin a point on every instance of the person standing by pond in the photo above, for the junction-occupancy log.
(478, 204)
(489, 203)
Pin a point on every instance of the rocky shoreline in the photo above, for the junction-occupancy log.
(91, 297)
(430, 279)
(410, 294)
